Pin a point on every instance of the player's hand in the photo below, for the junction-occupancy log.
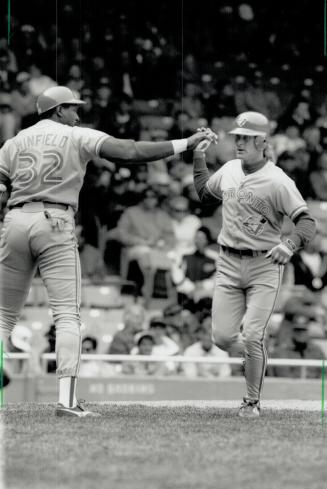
(280, 254)
(203, 146)
(202, 134)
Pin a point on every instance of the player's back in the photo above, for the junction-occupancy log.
(47, 162)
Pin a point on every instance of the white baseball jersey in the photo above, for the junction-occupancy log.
(254, 204)
(47, 162)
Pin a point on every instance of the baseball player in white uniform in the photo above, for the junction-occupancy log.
(45, 166)
(256, 195)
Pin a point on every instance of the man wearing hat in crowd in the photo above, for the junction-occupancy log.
(23, 101)
(185, 225)
(133, 322)
(204, 347)
(256, 195)
(298, 346)
(160, 183)
(147, 233)
(7, 70)
(181, 323)
(304, 303)
(144, 344)
(163, 344)
(153, 342)
(7, 117)
(194, 277)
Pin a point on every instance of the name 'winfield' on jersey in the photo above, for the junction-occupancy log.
(40, 140)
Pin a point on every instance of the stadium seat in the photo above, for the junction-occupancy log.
(102, 296)
(162, 278)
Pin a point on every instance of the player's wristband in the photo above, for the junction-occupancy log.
(198, 153)
(179, 145)
(290, 245)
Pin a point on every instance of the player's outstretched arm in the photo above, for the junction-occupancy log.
(201, 173)
(128, 151)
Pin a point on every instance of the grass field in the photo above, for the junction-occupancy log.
(135, 446)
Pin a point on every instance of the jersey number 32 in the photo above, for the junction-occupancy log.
(31, 168)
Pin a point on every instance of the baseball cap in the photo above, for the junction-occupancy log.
(157, 322)
(54, 96)
(144, 334)
(251, 124)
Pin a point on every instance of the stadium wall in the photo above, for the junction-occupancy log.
(129, 388)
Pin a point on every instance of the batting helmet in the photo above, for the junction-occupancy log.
(54, 96)
(251, 124)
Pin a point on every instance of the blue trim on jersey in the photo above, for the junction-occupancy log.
(77, 304)
(263, 348)
(298, 211)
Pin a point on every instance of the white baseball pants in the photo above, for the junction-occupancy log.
(29, 240)
(244, 298)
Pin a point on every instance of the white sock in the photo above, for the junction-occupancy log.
(67, 391)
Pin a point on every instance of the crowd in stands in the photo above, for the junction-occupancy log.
(175, 331)
(142, 80)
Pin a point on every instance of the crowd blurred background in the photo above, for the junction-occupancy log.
(154, 72)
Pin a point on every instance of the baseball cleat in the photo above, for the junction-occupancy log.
(250, 408)
(78, 411)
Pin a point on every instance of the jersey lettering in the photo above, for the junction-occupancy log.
(27, 169)
(26, 172)
(47, 139)
(247, 196)
(53, 163)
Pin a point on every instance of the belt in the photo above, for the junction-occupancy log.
(241, 253)
(45, 203)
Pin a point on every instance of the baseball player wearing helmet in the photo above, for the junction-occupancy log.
(256, 195)
(45, 166)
